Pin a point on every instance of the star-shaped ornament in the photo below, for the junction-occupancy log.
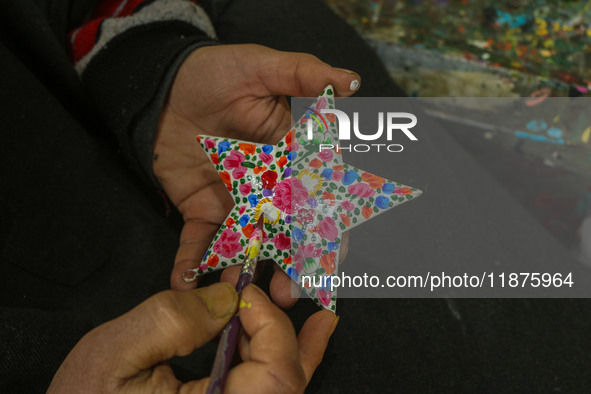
(308, 196)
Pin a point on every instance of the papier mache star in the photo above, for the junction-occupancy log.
(308, 196)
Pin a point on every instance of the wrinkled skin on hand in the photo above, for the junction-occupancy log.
(129, 354)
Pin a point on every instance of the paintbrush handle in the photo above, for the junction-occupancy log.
(245, 278)
(229, 337)
(224, 356)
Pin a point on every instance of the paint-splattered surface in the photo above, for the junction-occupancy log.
(505, 48)
(528, 44)
(481, 48)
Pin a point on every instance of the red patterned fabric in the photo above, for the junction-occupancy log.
(82, 40)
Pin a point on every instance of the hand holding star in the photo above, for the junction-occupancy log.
(233, 91)
(309, 197)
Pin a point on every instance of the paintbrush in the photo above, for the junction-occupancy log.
(229, 338)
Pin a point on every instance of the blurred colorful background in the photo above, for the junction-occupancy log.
(499, 48)
(483, 47)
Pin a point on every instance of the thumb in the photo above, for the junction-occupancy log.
(299, 74)
(169, 324)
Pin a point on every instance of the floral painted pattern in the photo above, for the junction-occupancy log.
(257, 179)
(309, 198)
(340, 197)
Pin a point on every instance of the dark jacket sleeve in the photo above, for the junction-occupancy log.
(127, 53)
(109, 60)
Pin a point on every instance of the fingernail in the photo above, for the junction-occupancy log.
(221, 299)
(333, 326)
(354, 85)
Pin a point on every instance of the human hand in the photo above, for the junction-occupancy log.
(232, 91)
(129, 354)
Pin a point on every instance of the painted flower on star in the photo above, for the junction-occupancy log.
(281, 241)
(345, 219)
(328, 262)
(347, 205)
(321, 104)
(244, 219)
(282, 161)
(234, 162)
(289, 137)
(225, 175)
(293, 274)
(388, 188)
(361, 190)
(223, 146)
(258, 170)
(282, 197)
(327, 174)
(209, 143)
(248, 230)
(228, 244)
(239, 172)
(299, 193)
(324, 296)
(267, 159)
(329, 198)
(266, 207)
(315, 163)
(374, 181)
(299, 265)
(382, 202)
(213, 260)
(269, 179)
(366, 211)
(305, 216)
(403, 191)
(297, 234)
(350, 177)
(306, 251)
(248, 149)
(326, 155)
(312, 202)
(337, 175)
(311, 181)
(245, 188)
(327, 229)
(253, 200)
(290, 192)
(293, 147)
